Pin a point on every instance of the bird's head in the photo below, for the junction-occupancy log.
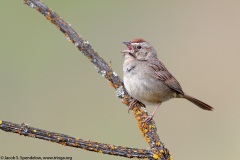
(139, 49)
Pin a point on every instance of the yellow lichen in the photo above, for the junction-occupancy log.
(0, 122)
(138, 112)
(148, 140)
(60, 138)
(125, 102)
(90, 59)
(145, 130)
(48, 16)
(155, 156)
(111, 84)
(158, 143)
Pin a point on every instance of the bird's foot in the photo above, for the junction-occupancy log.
(150, 117)
(131, 105)
(147, 118)
(133, 102)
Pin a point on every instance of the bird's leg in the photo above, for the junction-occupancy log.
(148, 118)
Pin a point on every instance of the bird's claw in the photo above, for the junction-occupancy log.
(133, 102)
(131, 105)
(147, 118)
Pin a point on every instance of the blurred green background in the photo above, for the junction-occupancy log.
(46, 82)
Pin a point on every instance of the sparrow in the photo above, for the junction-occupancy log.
(148, 81)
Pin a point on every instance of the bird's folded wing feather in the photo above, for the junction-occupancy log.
(165, 76)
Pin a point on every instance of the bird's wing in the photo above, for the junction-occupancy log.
(165, 76)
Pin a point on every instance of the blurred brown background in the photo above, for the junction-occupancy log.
(46, 82)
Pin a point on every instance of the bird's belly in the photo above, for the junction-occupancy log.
(148, 90)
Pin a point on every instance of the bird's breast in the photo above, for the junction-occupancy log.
(142, 84)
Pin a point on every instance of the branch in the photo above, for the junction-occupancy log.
(66, 140)
(149, 130)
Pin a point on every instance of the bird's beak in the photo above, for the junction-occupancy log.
(127, 43)
(129, 50)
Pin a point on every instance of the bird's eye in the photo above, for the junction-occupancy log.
(139, 47)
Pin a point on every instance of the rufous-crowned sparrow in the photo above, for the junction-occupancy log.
(147, 80)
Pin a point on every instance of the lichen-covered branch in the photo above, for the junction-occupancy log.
(149, 130)
(26, 130)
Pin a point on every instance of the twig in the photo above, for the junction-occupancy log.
(149, 130)
(66, 140)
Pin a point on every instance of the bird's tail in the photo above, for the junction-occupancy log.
(198, 103)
